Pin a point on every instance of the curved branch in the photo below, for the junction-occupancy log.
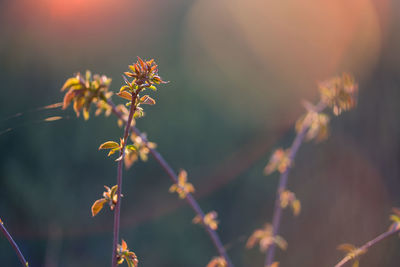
(276, 219)
(14, 245)
(369, 244)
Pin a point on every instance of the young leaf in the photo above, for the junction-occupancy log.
(124, 246)
(217, 262)
(124, 88)
(125, 95)
(109, 145)
(147, 100)
(131, 147)
(98, 206)
(70, 82)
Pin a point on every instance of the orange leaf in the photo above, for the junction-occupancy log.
(125, 95)
(124, 246)
(97, 206)
(147, 100)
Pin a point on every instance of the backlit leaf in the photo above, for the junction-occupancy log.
(125, 95)
(124, 246)
(346, 247)
(109, 145)
(131, 147)
(147, 100)
(98, 206)
(70, 82)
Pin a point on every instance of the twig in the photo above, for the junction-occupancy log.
(117, 210)
(369, 244)
(189, 197)
(14, 245)
(276, 219)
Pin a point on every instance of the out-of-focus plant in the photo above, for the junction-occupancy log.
(353, 253)
(339, 94)
(94, 90)
(14, 245)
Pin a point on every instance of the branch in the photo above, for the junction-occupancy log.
(14, 245)
(189, 197)
(276, 219)
(369, 244)
(117, 211)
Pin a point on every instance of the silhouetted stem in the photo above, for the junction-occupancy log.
(189, 197)
(276, 219)
(14, 245)
(369, 244)
(117, 211)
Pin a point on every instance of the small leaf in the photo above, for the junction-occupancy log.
(54, 118)
(147, 100)
(126, 81)
(112, 151)
(124, 88)
(125, 95)
(152, 87)
(131, 147)
(119, 158)
(68, 98)
(280, 242)
(97, 206)
(346, 247)
(109, 145)
(296, 207)
(70, 82)
(124, 246)
(113, 190)
(85, 114)
(217, 262)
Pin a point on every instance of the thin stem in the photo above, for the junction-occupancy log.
(14, 245)
(369, 244)
(276, 219)
(117, 211)
(189, 197)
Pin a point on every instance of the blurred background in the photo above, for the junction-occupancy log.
(238, 71)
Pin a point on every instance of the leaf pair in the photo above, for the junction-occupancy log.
(279, 161)
(124, 254)
(209, 220)
(352, 252)
(142, 149)
(114, 147)
(182, 187)
(264, 237)
(109, 196)
(289, 198)
(316, 125)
